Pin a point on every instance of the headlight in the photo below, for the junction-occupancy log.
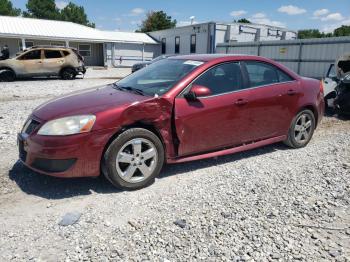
(68, 126)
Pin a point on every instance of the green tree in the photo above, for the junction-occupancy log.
(243, 21)
(43, 9)
(312, 33)
(344, 30)
(76, 14)
(156, 20)
(6, 8)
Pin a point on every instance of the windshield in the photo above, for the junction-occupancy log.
(158, 78)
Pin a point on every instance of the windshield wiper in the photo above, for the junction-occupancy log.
(129, 88)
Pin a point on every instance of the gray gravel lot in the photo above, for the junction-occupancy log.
(268, 204)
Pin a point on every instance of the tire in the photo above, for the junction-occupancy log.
(68, 74)
(134, 159)
(7, 75)
(301, 129)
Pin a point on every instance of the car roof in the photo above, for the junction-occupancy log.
(219, 58)
(50, 47)
(212, 57)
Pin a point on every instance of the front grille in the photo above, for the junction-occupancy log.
(30, 127)
(53, 165)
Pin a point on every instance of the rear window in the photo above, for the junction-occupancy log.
(261, 74)
(66, 53)
(50, 54)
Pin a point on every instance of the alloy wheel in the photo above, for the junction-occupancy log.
(136, 160)
(303, 128)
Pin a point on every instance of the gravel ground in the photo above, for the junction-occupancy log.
(268, 204)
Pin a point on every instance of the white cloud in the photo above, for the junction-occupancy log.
(137, 11)
(291, 10)
(184, 23)
(261, 18)
(61, 4)
(333, 17)
(329, 28)
(321, 12)
(238, 13)
(118, 19)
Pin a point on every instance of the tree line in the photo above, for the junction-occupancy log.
(47, 9)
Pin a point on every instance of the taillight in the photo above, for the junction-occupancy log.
(321, 87)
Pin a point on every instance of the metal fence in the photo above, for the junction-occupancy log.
(307, 57)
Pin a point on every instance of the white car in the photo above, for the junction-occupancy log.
(330, 82)
(333, 75)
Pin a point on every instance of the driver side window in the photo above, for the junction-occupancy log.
(31, 55)
(221, 79)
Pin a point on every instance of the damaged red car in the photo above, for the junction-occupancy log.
(176, 110)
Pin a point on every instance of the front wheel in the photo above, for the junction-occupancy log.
(301, 129)
(133, 159)
(7, 76)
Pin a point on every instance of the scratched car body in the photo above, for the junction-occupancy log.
(41, 61)
(176, 110)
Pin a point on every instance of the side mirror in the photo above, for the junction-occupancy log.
(197, 91)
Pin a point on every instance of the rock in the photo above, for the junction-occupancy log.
(180, 223)
(225, 214)
(276, 256)
(331, 213)
(133, 224)
(346, 165)
(70, 218)
(334, 253)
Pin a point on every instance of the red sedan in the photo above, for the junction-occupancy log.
(176, 110)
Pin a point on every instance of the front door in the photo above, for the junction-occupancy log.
(30, 63)
(216, 121)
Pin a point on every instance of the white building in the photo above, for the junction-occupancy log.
(97, 46)
(111, 48)
(204, 37)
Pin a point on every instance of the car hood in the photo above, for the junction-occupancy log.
(89, 101)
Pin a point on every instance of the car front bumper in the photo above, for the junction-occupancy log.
(67, 156)
(81, 69)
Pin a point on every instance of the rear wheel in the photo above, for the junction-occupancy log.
(133, 159)
(68, 74)
(301, 129)
(7, 75)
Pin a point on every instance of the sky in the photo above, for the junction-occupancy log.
(126, 15)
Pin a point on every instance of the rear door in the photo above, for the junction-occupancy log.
(216, 121)
(30, 63)
(53, 61)
(272, 102)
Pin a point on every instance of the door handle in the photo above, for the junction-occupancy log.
(39, 62)
(241, 102)
(291, 92)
